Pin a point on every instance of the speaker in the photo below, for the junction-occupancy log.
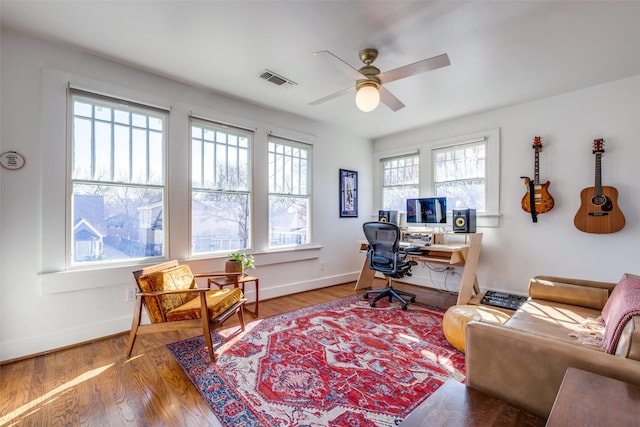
(388, 216)
(464, 220)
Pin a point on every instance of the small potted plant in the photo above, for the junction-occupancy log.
(239, 262)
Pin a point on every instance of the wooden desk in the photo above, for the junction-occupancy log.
(588, 399)
(454, 254)
(456, 405)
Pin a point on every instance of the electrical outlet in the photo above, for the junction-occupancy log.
(130, 294)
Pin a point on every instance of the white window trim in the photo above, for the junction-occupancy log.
(97, 97)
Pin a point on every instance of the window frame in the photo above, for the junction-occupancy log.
(287, 142)
(113, 102)
(451, 148)
(251, 238)
(383, 160)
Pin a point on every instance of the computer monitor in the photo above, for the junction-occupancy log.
(430, 210)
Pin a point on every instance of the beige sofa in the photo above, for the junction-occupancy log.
(524, 360)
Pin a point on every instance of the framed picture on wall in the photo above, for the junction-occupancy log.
(348, 193)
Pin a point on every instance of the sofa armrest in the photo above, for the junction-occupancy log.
(526, 370)
(584, 293)
(579, 282)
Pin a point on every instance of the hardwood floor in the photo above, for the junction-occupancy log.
(94, 384)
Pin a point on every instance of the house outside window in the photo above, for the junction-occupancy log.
(221, 188)
(117, 179)
(459, 173)
(400, 181)
(289, 192)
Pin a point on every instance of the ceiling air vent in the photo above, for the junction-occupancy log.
(276, 79)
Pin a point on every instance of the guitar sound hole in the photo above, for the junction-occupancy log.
(598, 200)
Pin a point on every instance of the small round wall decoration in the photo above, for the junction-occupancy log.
(11, 160)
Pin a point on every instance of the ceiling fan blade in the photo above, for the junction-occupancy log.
(340, 64)
(332, 96)
(390, 100)
(415, 68)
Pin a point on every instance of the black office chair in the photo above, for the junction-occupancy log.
(385, 256)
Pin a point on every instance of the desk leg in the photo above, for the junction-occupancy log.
(469, 281)
(365, 279)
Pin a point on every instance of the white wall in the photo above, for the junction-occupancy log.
(568, 123)
(43, 306)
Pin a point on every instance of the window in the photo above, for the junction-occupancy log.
(459, 173)
(400, 181)
(220, 188)
(117, 179)
(289, 192)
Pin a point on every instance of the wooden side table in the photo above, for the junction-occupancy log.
(456, 405)
(223, 281)
(588, 399)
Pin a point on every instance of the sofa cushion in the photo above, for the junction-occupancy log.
(553, 320)
(175, 278)
(584, 296)
(218, 301)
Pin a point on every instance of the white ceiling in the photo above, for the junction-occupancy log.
(502, 53)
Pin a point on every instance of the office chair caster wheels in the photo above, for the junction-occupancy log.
(413, 299)
(404, 307)
(365, 296)
(372, 305)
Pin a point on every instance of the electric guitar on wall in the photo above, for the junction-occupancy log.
(599, 212)
(537, 199)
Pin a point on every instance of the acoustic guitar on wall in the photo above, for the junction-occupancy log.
(537, 199)
(599, 212)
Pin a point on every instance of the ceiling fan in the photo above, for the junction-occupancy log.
(369, 79)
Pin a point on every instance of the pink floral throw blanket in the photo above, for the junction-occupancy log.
(622, 305)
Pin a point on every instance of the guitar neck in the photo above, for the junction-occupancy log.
(598, 184)
(536, 168)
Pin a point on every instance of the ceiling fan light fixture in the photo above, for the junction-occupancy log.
(368, 96)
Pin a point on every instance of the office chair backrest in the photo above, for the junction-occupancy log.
(384, 244)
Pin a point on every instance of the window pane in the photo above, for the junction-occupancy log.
(288, 223)
(219, 222)
(463, 194)
(82, 151)
(121, 153)
(113, 223)
(395, 198)
(102, 146)
(400, 178)
(459, 175)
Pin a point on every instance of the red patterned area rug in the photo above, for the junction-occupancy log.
(340, 363)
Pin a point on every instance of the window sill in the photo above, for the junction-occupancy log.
(101, 277)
